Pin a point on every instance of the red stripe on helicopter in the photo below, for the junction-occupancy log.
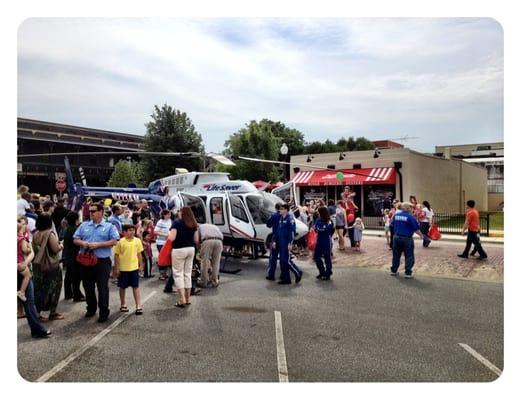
(239, 231)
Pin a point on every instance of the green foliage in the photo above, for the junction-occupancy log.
(342, 144)
(364, 144)
(170, 131)
(261, 140)
(138, 171)
(125, 174)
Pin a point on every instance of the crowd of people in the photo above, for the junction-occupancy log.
(101, 243)
(339, 220)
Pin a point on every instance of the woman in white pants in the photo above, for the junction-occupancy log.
(184, 237)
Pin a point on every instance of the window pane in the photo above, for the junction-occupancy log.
(197, 206)
(216, 210)
(260, 208)
(237, 208)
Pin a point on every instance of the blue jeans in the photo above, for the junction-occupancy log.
(424, 228)
(323, 250)
(402, 244)
(30, 312)
(351, 234)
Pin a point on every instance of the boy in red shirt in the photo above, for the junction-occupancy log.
(472, 228)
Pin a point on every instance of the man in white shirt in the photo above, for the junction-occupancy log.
(211, 249)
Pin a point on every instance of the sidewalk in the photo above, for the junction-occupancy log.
(438, 260)
(444, 237)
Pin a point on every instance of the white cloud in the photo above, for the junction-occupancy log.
(335, 77)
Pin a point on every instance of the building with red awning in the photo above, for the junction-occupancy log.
(378, 177)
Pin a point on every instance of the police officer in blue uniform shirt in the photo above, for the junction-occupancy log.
(98, 236)
(325, 229)
(405, 226)
(273, 223)
(284, 241)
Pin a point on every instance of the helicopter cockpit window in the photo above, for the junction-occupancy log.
(216, 210)
(237, 207)
(260, 208)
(284, 194)
(197, 206)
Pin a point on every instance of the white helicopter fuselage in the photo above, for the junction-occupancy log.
(238, 208)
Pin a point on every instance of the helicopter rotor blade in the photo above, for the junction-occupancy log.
(220, 158)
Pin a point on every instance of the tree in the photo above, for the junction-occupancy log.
(124, 174)
(364, 144)
(255, 140)
(170, 131)
(138, 171)
(261, 140)
(351, 144)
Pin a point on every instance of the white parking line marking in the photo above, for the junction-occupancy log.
(281, 353)
(49, 374)
(482, 359)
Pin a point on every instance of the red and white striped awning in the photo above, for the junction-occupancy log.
(302, 177)
(377, 175)
(361, 176)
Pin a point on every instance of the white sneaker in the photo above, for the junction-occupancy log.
(393, 273)
(408, 276)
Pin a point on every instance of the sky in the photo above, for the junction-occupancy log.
(437, 81)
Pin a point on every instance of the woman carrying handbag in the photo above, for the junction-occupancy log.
(47, 274)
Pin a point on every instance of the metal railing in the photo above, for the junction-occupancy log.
(447, 222)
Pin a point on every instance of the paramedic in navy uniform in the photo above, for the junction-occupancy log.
(284, 242)
(98, 236)
(325, 229)
(273, 223)
(405, 226)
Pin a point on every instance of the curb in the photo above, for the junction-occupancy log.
(445, 237)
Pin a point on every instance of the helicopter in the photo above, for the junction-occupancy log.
(236, 207)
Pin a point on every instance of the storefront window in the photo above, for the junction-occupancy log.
(377, 198)
(327, 193)
(312, 193)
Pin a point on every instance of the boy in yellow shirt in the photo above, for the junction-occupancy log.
(127, 264)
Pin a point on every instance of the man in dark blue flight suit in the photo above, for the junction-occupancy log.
(405, 225)
(284, 242)
(325, 229)
(273, 223)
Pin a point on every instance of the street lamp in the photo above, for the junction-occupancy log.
(284, 151)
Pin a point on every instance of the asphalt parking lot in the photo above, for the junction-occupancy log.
(363, 326)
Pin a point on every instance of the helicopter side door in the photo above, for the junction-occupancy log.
(287, 193)
(217, 213)
(196, 204)
(239, 222)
